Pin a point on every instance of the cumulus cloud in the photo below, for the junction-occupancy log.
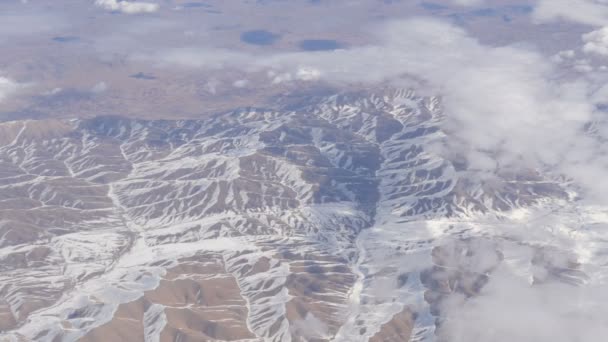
(129, 7)
(99, 88)
(8, 87)
(596, 42)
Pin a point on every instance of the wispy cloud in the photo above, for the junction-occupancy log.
(590, 12)
(129, 7)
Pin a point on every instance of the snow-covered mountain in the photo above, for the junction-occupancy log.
(335, 218)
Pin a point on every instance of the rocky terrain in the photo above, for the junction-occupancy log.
(335, 218)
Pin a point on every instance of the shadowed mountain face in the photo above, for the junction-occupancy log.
(323, 221)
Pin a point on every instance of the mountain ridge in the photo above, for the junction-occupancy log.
(317, 221)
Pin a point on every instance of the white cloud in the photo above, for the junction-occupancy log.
(52, 92)
(564, 55)
(240, 83)
(8, 87)
(308, 74)
(211, 86)
(99, 88)
(509, 308)
(129, 7)
(583, 66)
(310, 327)
(596, 42)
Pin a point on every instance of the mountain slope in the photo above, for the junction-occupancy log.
(322, 221)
